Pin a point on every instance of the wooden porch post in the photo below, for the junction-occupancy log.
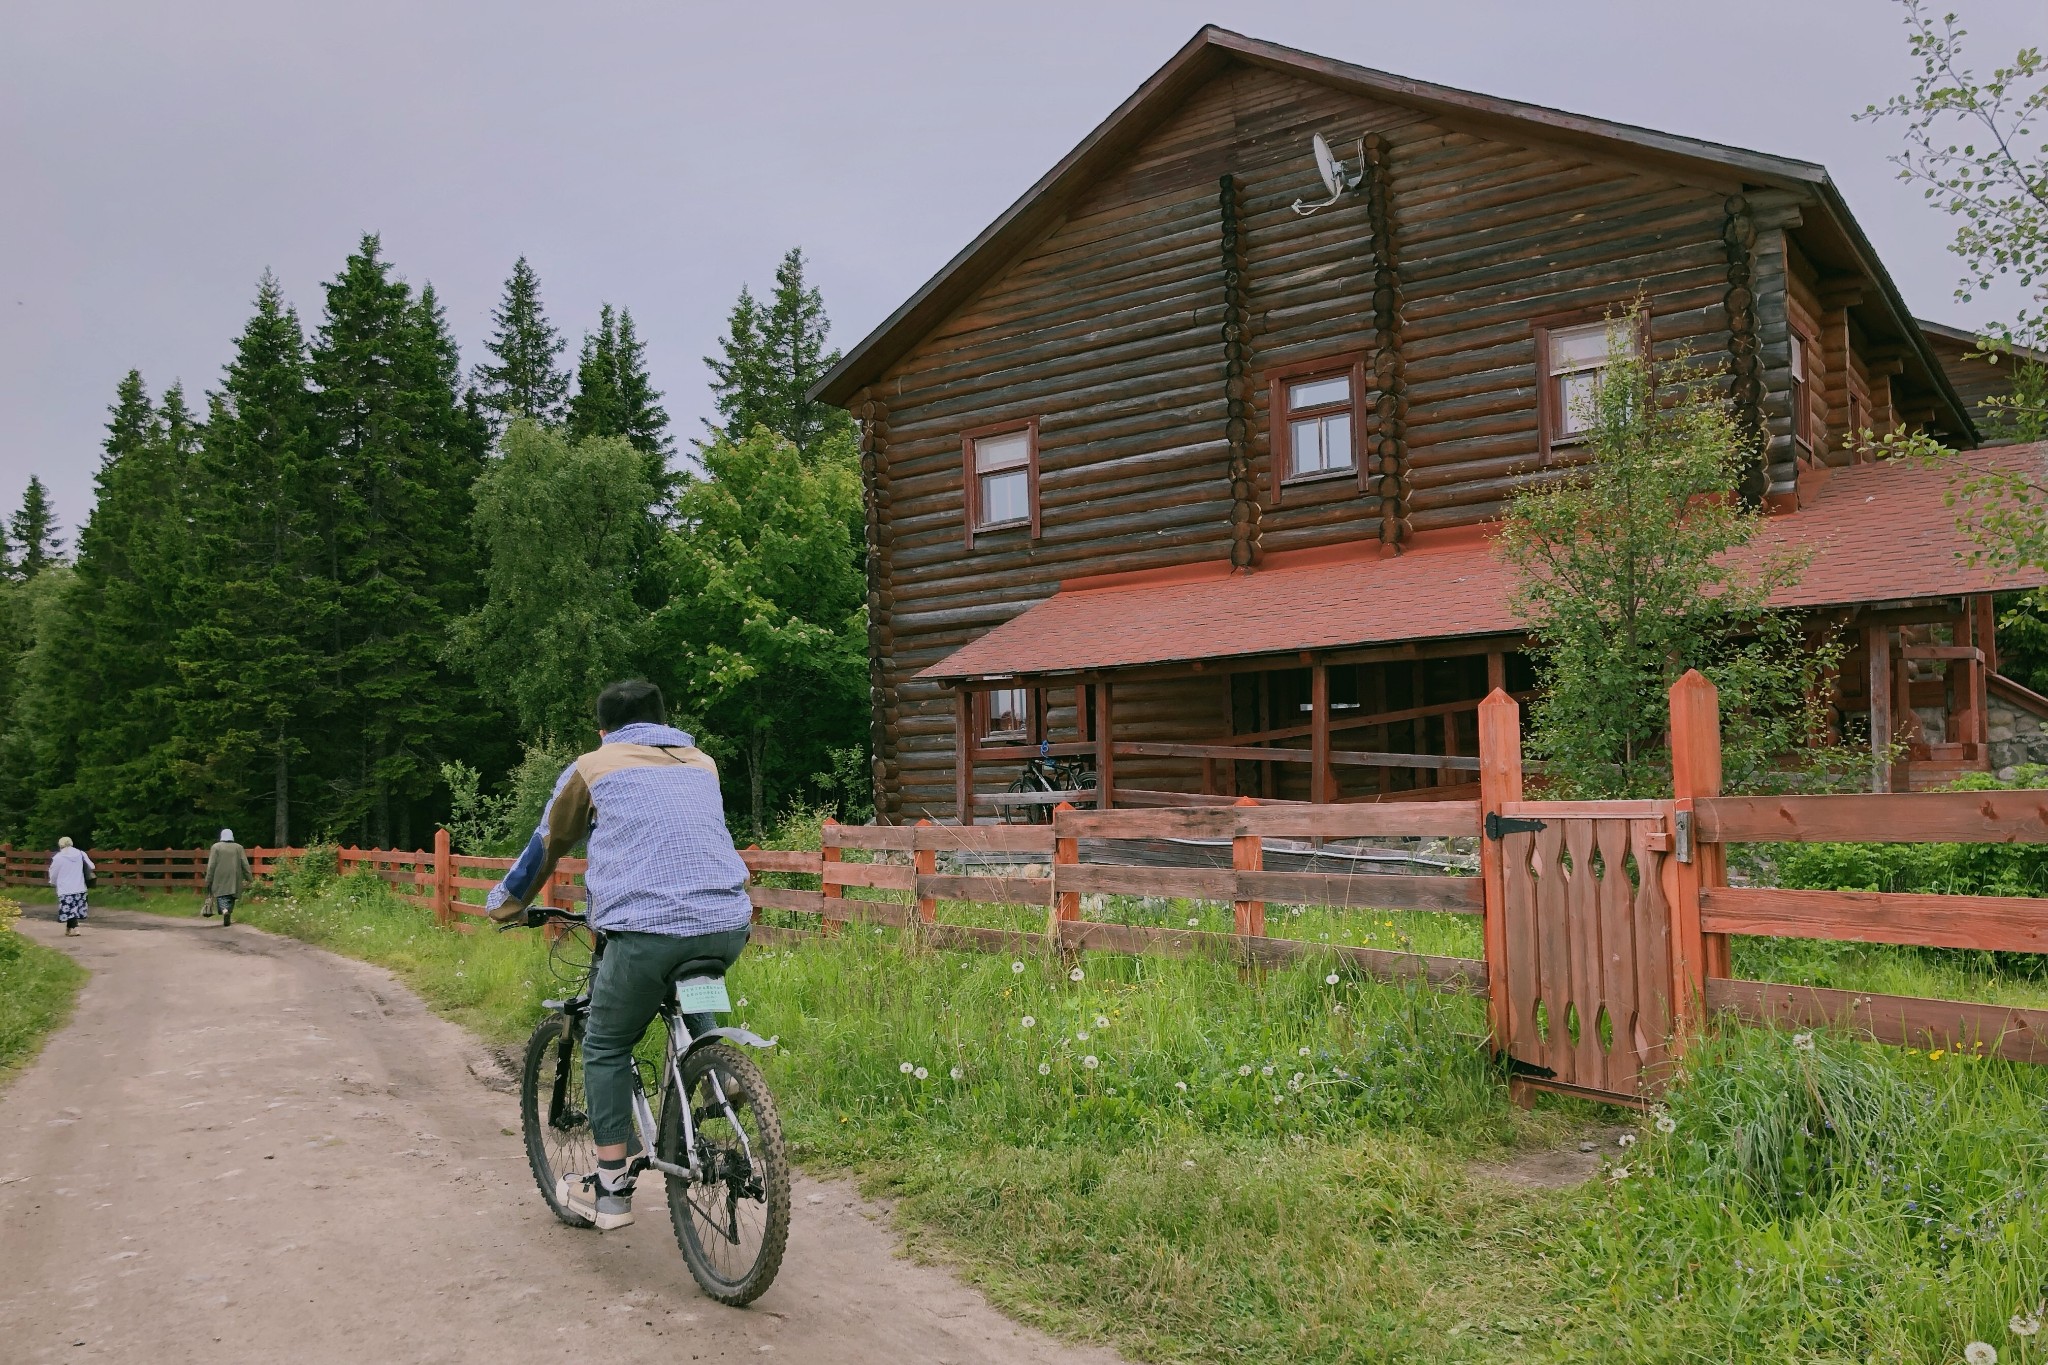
(1500, 780)
(1319, 733)
(1248, 854)
(1496, 671)
(1877, 643)
(1987, 631)
(963, 746)
(1105, 747)
(1695, 772)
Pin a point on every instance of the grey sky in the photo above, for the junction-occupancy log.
(156, 156)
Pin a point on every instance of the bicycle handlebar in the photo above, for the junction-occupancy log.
(537, 915)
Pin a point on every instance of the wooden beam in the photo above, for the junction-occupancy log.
(1986, 817)
(963, 755)
(1695, 774)
(1247, 855)
(2020, 1035)
(2007, 924)
(1319, 786)
(1105, 747)
(1500, 781)
(1877, 643)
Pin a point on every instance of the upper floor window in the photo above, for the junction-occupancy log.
(1001, 476)
(1802, 395)
(1575, 359)
(1316, 418)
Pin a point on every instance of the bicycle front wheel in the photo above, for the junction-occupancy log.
(732, 1225)
(554, 1112)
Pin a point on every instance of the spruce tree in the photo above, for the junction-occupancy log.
(525, 381)
(399, 451)
(256, 606)
(615, 396)
(773, 356)
(33, 528)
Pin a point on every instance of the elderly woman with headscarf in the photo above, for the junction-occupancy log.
(227, 876)
(69, 867)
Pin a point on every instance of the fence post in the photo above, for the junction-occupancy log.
(444, 880)
(1066, 905)
(1695, 772)
(829, 851)
(1500, 781)
(6, 864)
(1248, 854)
(924, 862)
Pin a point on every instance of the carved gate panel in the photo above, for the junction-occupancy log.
(1587, 934)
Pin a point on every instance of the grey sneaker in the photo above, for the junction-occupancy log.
(584, 1197)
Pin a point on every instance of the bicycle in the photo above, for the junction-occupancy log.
(1043, 774)
(721, 1155)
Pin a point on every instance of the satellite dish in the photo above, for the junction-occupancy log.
(1336, 179)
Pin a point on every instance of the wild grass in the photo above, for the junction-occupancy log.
(1814, 1198)
(37, 988)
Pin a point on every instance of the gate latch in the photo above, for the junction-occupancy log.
(1681, 835)
(1499, 826)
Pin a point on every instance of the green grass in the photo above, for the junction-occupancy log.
(37, 988)
(1834, 1203)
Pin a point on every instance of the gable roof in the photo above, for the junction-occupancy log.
(1212, 51)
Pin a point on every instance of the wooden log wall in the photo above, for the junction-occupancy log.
(1137, 332)
(1745, 355)
(873, 415)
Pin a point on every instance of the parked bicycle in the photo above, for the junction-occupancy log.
(1044, 775)
(717, 1142)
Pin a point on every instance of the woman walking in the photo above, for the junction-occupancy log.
(69, 867)
(227, 876)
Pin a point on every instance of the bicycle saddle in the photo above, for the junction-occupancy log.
(698, 966)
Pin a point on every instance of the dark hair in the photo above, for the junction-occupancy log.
(625, 703)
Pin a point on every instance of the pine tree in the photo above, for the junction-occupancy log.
(256, 601)
(8, 568)
(33, 528)
(525, 381)
(400, 451)
(615, 396)
(773, 356)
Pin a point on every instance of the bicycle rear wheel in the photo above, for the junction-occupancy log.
(554, 1112)
(733, 1225)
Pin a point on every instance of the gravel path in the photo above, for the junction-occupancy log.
(244, 1149)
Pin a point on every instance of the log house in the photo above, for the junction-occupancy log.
(1169, 479)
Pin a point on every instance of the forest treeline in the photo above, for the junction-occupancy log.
(355, 591)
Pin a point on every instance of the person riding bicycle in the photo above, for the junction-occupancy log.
(665, 886)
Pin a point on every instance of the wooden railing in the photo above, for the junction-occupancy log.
(143, 869)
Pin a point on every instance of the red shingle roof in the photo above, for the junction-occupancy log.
(1877, 533)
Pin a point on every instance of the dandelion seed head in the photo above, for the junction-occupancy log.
(1181, 1086)
(1803, 1041)
(1980, 1353)
(1016, 967)
(2024, 1324)
(1625, 1140)
(1330, 980)
(1187, 1165)
(1666, 1124)
(743, 1002)
(1302, 1052)
(1102, 1021)
(1245, 1070)
(906, 1068)
(1090, 1062)
(1081, 1035)
(1028, 1021)
(1266, 1070)
(1617, 1175)
(1045, 1068)
(957, 1073)
(921, 1074)
(1077, 975)
(1193, 921)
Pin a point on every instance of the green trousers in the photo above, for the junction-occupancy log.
(634, 978)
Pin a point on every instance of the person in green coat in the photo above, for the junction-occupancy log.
(227, 876)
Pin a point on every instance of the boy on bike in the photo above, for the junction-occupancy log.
(665, 886)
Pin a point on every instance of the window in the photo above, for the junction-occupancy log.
(1802, 395)
(1315, 419)
(1008, 715)
(1573, 360)
(1001, 467)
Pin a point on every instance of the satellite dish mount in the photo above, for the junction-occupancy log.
(1336, 178)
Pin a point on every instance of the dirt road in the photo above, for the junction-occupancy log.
(243, 1149)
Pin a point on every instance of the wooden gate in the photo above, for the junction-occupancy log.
(1585, 936)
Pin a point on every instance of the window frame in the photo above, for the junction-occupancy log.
(984, 716)
(1549, 419)
(970, 439)
(1801, 342)
(1279, 433)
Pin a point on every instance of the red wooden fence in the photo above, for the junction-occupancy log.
(1606, 924)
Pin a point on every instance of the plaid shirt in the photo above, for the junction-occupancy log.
(660, 858)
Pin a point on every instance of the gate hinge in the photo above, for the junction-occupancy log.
(1499, 826)
(1681, 835)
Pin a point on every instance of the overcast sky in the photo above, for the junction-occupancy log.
(156, 155)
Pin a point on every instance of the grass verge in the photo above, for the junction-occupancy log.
(37, 988)
(1199, 1164)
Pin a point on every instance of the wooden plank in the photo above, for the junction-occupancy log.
(977, 938)
(874, 838)
(1105, 746)
(1582, 902)
(1321, 787)
(886, 876)
(2020, 1035)
(893, 913)
(2011, 924)
(1436, 819)
(1099, 879)
(781, 860)
(1992, 817)
(1650, 919)
(1365, 891)
(1877, 645)
(1587, 810)
(1553, 950)
(986, 890)
(1500, 781)
(1205, 823)
(1616, 953)
(984, 838)
(781, 898)
(1010, 800)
